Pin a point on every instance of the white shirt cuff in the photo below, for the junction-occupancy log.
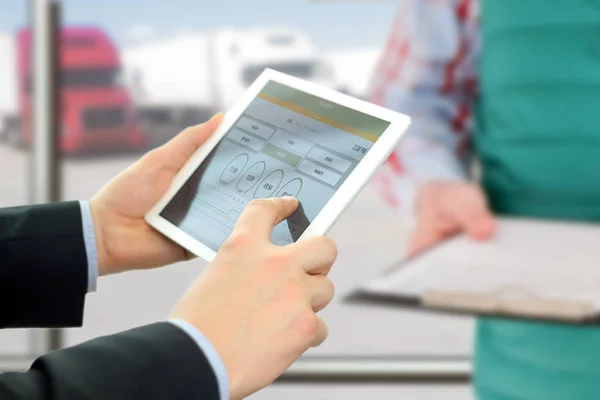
(211, 355)
(91, 249)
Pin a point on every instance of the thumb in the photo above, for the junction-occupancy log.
(178, 150)
(261, 215)
(475, 218)
(483, 226)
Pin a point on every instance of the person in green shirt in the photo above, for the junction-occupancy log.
(514, 85)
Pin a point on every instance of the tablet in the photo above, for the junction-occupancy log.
(285, 137)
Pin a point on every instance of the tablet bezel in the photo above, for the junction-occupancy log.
(340, 200)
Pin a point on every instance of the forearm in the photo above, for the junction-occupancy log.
(43, 274)
(158, 361)
(426, 160)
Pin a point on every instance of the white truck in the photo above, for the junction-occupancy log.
(181, 80)
(354, 69)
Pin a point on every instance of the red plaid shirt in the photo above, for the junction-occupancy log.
(428, 71)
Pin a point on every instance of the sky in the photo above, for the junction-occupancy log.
(331, 24)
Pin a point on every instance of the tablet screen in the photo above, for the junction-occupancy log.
(286, 143)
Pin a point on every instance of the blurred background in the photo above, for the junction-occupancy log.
(133, 74)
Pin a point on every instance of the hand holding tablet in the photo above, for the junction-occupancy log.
(286, 137)
(277, 294)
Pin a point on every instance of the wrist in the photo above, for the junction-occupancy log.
(211, 354)
(104, 267)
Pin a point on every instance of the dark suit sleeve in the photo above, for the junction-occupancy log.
(43, 266)
(154, 362)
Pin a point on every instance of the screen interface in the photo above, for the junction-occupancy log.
(286, 143)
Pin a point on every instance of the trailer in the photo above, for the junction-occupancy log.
(354, 69)
(181, 80)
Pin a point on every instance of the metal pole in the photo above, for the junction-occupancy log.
(327, 369)
(44, 169)
(378, 369)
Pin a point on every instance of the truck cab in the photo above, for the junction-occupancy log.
(97, 110)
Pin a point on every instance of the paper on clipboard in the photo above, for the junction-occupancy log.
(537, 269)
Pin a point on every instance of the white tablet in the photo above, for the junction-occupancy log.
(285, 137)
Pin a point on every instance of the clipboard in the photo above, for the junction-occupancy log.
(533, 270)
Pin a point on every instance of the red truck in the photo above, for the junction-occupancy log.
(97, 109)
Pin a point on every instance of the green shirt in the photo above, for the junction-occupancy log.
(538, 139)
